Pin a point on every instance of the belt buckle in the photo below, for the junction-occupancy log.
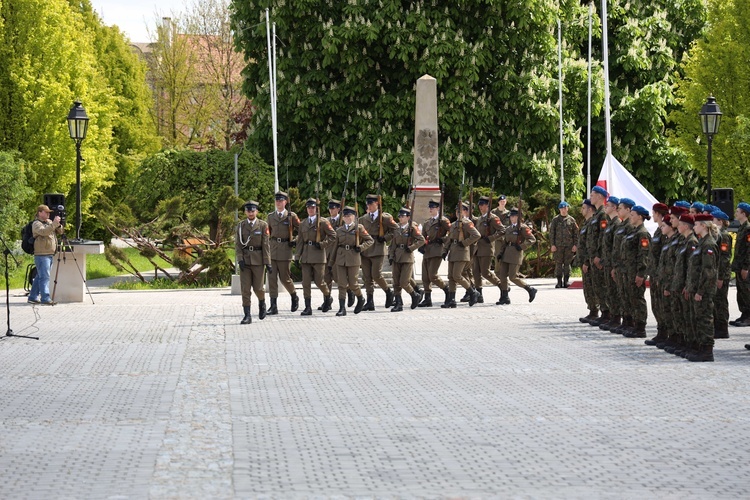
(347, 247)
(310, 243)
(252, 249)
(278, 240)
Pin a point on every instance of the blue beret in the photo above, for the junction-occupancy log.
(718, 214)
(600, 190)
(710, 208)
(745, 207)
(682, 204)
(587, 202)
(614, 200)
(697, 205)
(629, 203)
(642, 211)
(563, 204)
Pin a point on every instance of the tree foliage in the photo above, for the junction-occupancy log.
(16, 192)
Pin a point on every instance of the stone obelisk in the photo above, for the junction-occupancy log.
(426, 174)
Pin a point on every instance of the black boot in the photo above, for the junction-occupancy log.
(389, 298)
(398, 305)
(427, 302)
(565, 281)
(450, 301)
(295, 302)
(360, 305)
(532, 293)
(261, 309)
(418, 289)
(273, 309)
(559, 282)
(342, 308)
(327, 301)
(447, 294)
(308, 308)
(349, 298)
(480, 298)
(415, 298)
(247, 319)
(473, 296)
(370, 305)
(504, 298)
(466, 297)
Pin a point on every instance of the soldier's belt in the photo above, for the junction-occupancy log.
(281, 240)
(309, 243)
(401, 245)
(348, 247)
(253, 249)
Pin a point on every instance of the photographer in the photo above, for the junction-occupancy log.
(45, 244)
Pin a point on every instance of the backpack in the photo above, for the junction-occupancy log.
(27, 238)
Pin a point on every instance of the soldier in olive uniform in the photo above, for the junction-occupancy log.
(701, 288)
(563, 234)
(254, 258)
(721, 301)
(468, 213)
(406, 239)
(491, 229)
(658, 212)
(351, 239)
(636, 248)
(281, 224)
(668, 267)
(619, 293)
(456, 248)
(372, 258)
(435, 230)
(661, 277)
(597, 224)
(336, 220)
(313, 238)
(681, 312)
(741, 264)
(608, 261)
(587, 210)
(517, 238)
(501, 212)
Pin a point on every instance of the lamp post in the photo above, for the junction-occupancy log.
(710, 120)
(78, 125)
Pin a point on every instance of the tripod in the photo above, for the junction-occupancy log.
(7, 252)
(66, 247)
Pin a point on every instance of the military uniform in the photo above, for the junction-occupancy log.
(620, 309)
(311, 254)
(406, 239)
(636, 247)
(724, 274)
(588, 285)
(663, 278)
(282, 240)
(681, 307)
(563, 234)
(608, 261)
(742, 262)
(253, 255)
(701, 281)
(491, 229)
(336, 222)
(469, 269)
(516, 239)
(657, 306)
(346, 258)
(597, 224)
(372, 258)
(503, 215)
(435, 230)
(457, 248)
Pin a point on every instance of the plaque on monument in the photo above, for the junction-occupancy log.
(426, 173)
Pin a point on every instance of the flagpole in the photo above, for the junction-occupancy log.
(588, 134)
(272, 92)
(605, 57)
(560, 97)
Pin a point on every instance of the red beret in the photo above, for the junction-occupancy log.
(677, 211)
(687, 218)
(703, 217)
(660, 208)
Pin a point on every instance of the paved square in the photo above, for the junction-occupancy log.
(165, 395)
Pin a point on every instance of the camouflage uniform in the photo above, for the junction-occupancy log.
(742, 261)
(721, 301)
(664, 274)
(657, 243)
(701, 280)
(636, 253)
(563, 233)
(681, 306)
(608, 261)
(588, 285)
(597, 224)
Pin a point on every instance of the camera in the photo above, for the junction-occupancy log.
(59, 210)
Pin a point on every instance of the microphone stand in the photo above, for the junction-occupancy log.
(7, 252)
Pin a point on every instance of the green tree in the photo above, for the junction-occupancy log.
(16, 192)
(717, 65)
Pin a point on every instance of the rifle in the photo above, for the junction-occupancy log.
(489, 207)
(471, 198)
(343, 198)
(410, 199)
(380, 204)
(356, 213)
(317, 208)
(519, 238)
(459, 208)
(289, 212)
(441, 232)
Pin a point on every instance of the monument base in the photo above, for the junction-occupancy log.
(420, 211)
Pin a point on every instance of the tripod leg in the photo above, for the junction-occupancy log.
(54, 285)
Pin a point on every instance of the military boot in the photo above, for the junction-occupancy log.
(638, 332)
(704, 353)
(473, 296)
(480, 298)
(398, 305)
(741, 319)
(295, 302)
(447, 292)
(620, 330)
(601, 319)
(342, 308)
(593, 314)
(262, 309)
(388, 297)
(614, 322)
(247, 319)
(721, 330)
(427, 302)
(450, 302)
(465, 298)
(532, 293)
(675, 344)
(360, 304)
(415, 298)
(660, 336)
(418, 289)
(327, 301)
(273, 309)
(307, 311)
(370, 305)
(349, 298)
(504, 298)
(559, 282)
(566, 284)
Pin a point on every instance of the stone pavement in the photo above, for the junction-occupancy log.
(164, 395)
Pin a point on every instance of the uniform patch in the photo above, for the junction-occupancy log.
(416, 231)
(724, 247)
(471, 226)
(710, 252)
(267, 230)
(603, 224)
(364, 231)
(644, 242)
(748, 237)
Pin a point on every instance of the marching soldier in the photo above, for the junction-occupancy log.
(313, 238)
(587, 210)
(336, 221)
(721, 301)
(456, 248)
(491, 229)
(281, 224)
(254, 257)
(741, 264)
(372, 258)
(351, 240)
(701, 288)
(435, 230)
(467, 212)
(563, 234)
(501, 212)
(517, 238)
(635, 252)
(406, 239)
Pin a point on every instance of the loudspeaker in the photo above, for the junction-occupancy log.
(52, 200)
(724, 199)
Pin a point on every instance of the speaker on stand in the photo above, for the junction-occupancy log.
(724, 199)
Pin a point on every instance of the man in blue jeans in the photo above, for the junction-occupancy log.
(45, 244)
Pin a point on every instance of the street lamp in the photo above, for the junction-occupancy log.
(710, 119)
(78, 125)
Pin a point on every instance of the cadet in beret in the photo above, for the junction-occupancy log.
(587, 210)
(517, 238)
(683, 327)
(563, 235)
(721, 301)
(378, 224)
(597, 224)
(501, 212)
(635, 253)
(701, 288)
(669, 268)
(315, 235)
(336, 220)
(658, 211)
(254, 258)
(351, 240)
(456, 248)
(608, 261)
(741, 264)
(662, 277)
(281, 224)
(618, 295)
(491, 229)
(435, 230)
